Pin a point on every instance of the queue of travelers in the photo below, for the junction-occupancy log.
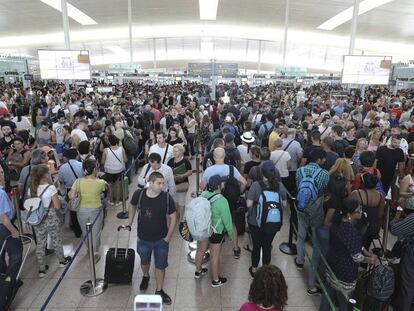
(331, 165)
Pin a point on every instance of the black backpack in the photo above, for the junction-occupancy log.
(231, 190)
(265, 137)
(381, 283)
(230, 157)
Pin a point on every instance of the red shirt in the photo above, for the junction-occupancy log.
(248, 306)
(157, 114)
(371, 170)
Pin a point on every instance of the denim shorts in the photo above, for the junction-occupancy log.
(160, 248)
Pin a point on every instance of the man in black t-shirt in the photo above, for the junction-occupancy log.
(154, 235)
(7, 141)
(388, 157)
(316, 143)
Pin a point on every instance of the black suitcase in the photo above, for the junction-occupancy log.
(9, 286)
(119, 262)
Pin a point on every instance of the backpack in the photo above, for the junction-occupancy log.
(34, 212)
(269, 214)
(230, 158)
(379, 187)
(231, 190)
(129, 143)
(198, 217)
(205, 135)
(265, 136)
(308, 191)
(381, 283)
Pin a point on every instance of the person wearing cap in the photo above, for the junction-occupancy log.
(244, 149)
(222, 169)
(221, 221)
(262, 241)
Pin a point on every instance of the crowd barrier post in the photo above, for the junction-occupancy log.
(25, 237)
(386, 226)
(192, 246)
(197, 174)
(289, 248)
(124, 213)
(94, 286)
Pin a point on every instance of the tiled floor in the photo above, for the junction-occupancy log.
(187, 293)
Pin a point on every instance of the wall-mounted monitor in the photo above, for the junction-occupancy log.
(64, 64)
(366, 69)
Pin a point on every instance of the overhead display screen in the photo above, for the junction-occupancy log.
(64, 64)
(362, 69)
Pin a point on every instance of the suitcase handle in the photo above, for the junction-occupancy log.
(25, 255)
(117, 239)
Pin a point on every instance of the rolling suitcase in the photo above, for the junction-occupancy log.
(9, 286)
(119, 262)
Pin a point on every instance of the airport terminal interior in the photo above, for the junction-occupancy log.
(207, 155)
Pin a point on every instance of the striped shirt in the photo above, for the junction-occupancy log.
(321, 180)
(403, 228)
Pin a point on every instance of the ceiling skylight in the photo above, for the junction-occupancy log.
(73, 12)
(346, 15)
(208, 9)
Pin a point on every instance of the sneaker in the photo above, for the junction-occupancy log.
(165, 298)
(199, 274)
(236, 253)
(314, 291)
(49, 252)
(251, 272)
(144, 283)
(219, 282)
(42, 273)
(299, 266)
(65, 262)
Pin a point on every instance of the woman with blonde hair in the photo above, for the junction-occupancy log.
(342, 167)
(374, 139)
(182, 170)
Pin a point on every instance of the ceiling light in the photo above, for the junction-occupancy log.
(73, 12)
(208, 9)
(346, 15)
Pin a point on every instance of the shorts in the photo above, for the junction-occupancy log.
(112, 177)
(180, 198)
(216, 238)
(160, 249)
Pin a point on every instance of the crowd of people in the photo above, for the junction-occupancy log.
(331, 164)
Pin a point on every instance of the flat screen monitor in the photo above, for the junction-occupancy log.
(64, 64)
(366, 69)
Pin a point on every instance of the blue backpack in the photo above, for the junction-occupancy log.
(307, 190)
(269, 214)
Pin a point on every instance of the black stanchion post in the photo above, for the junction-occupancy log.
(289, 248)
(124, 213)
(386, 226)
(25, 237)
(94, 286)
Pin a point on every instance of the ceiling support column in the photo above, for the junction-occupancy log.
(354, 24)
(66, 33)
(131, 52)
(285, 35)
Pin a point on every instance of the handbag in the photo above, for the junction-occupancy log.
(74, 204)
(182, 187)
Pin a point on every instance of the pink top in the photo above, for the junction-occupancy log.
(248, 306)
(157, 114)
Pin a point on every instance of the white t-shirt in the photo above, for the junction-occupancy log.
(245, 157)
(280, 159)
(23, 125)
(161, 151)
(80, 133)
(58, 129)
(163, 125)
(73, 108)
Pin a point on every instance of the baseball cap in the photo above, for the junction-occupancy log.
(215, 181)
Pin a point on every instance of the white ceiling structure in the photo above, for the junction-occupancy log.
(243, 31)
